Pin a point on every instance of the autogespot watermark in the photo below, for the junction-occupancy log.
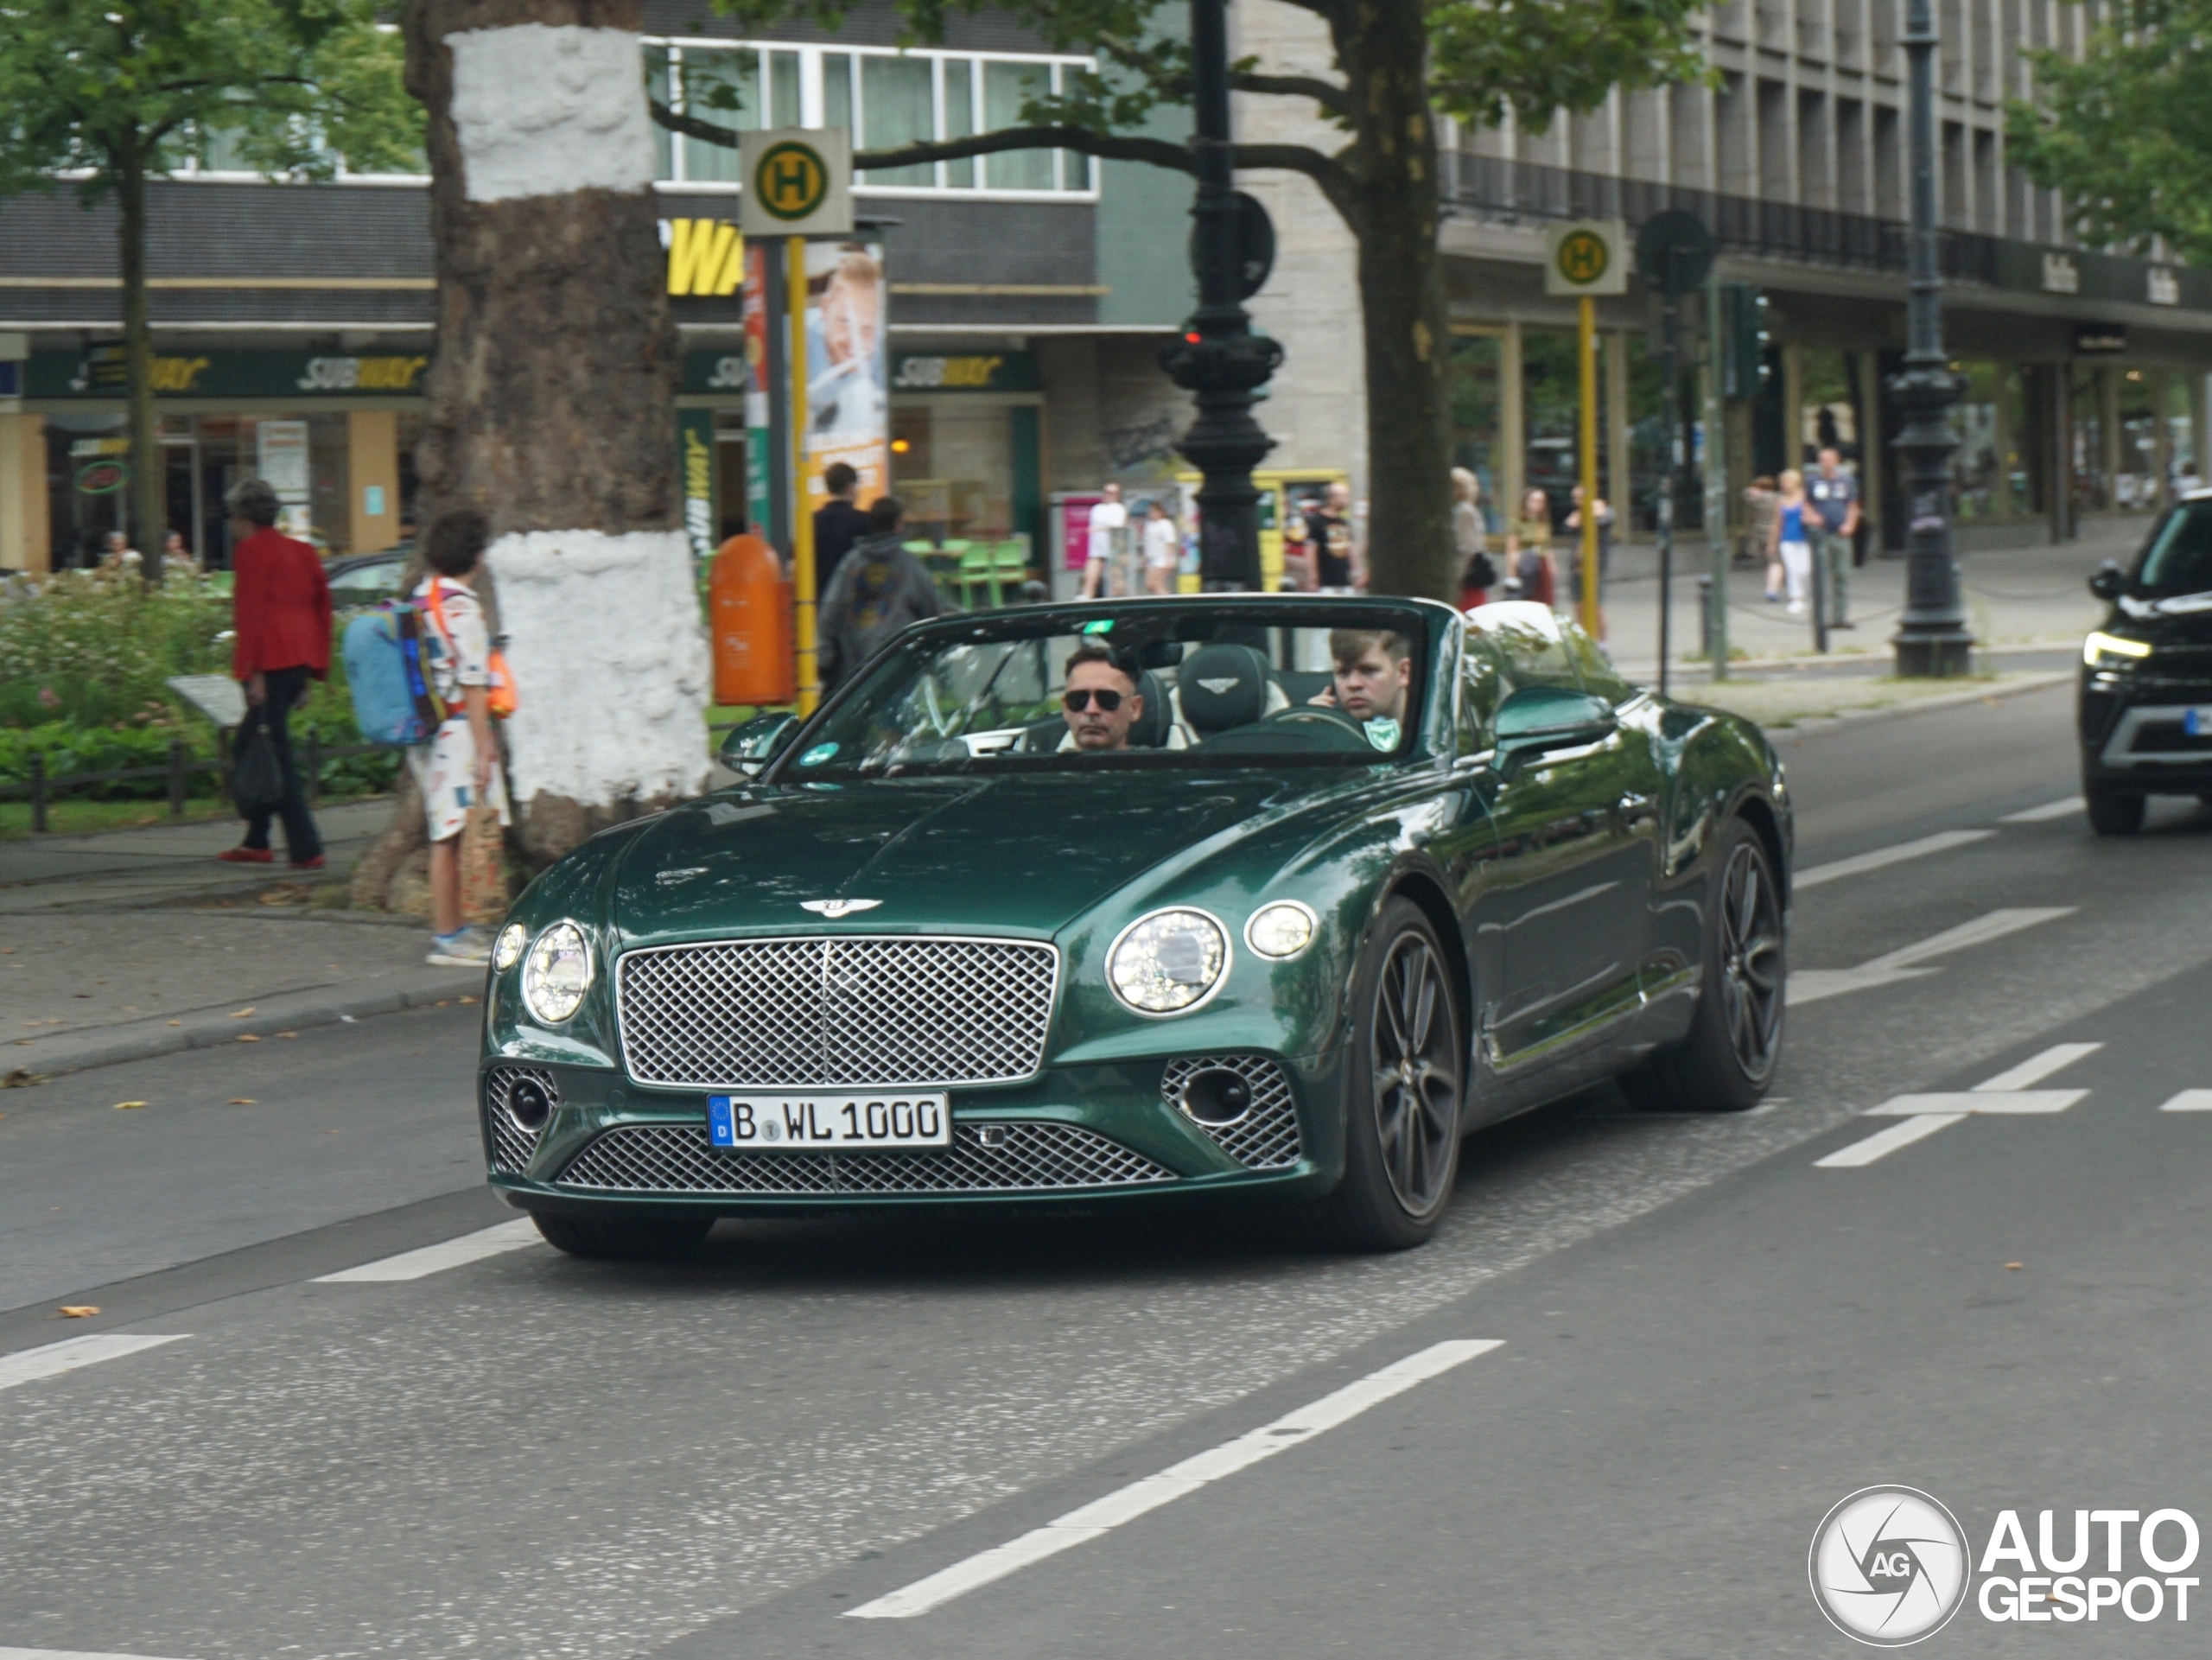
(1891, 1566)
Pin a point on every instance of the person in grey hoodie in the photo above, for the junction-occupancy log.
(879, 588)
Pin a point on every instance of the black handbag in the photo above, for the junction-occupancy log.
(257, 781)
(1480, 573)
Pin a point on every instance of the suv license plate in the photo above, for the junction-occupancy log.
(877, 1120)
(2197, 722)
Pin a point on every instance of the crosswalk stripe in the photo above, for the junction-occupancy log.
(2065, 809)
(1126, 1504)
(2189, 1101)
(1883, 1141)
(52, 1359)
(436, 1259)
(1942, 842)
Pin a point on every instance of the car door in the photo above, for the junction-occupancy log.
(1561, 914)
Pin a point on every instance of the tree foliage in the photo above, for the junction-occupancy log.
(2125, 130)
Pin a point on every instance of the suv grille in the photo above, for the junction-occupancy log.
(1021, 1158)
(1265, 1137)
(800, 1014)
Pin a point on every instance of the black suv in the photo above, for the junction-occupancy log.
(2145, 710)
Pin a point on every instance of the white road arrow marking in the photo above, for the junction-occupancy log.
(1810, 985)
(2189, 1101)
(2050, 810)
(1924, 1115)
(1880, 858)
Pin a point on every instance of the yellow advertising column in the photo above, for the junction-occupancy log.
(804, 597)
(1586, 258)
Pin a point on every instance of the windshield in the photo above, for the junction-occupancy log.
(2179, 557)
(1156, 686)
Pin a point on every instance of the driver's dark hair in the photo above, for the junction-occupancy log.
(1346, 645)
(1091, 651)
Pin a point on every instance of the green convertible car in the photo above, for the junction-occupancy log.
(1145, 901)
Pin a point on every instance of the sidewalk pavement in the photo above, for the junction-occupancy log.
(137, 943)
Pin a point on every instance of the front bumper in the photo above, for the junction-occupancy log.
(1100, 1133)
(2133, 736)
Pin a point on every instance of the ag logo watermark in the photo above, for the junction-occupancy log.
(1891, 1566)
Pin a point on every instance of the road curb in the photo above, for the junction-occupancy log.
(207, 1032)
(1814, 726)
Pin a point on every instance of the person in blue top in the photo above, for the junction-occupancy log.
(1791, 545)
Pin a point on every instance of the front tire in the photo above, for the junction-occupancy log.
(623, 1239)
(1728, 1059)
(2114, 812)
(1402, 1095)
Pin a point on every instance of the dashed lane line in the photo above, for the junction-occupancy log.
(1811, 985)
(2035, 1068)
(1102, 1516)
(1884, 1143)
(436, 1259)
(2189, 1101)
(1923, 1115)
(1880, 858)
(52, 1359)
(64, 1654)
(2050, 810)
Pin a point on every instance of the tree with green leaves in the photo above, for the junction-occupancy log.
(2125, 130)
(107, 94)
(1399, 64)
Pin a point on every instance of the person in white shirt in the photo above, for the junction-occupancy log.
(1163, 548)
(1109, 519)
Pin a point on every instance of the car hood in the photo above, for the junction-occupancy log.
(2179, 619)
(1019, 854)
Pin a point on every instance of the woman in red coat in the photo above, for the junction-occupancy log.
(281, 604)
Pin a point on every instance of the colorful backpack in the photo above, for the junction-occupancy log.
(387, 671)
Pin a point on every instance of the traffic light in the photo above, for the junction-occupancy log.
(1742, 309)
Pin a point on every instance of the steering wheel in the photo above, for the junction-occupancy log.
(1328, 727)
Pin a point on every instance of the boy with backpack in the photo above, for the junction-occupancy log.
(457, 767)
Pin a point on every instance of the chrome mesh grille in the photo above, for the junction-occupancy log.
(800, 1014)
(512, 1142)
(1265, 1137)
(1022, 1158)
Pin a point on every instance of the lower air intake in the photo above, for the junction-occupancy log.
(1264, 1135)
(518, 1103)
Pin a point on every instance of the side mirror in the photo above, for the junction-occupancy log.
(749, 748)
(2107, 581)
(1538, 718)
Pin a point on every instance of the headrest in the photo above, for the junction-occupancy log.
(1222, 686)
(1149, 730)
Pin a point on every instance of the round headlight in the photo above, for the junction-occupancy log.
(506, 949)
(1167, 962)
(558, 973)
(1281, 929)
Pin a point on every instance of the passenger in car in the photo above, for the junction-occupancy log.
(1101, 700)
(1374, 672)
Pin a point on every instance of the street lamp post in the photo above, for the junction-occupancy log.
(1931, 638)
(1218, 357)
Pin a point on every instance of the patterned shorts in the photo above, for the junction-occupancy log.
(445, 770)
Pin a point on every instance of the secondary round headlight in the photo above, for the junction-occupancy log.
(558, 973)
(1167, 962)
(1280, 929)
(506, 949)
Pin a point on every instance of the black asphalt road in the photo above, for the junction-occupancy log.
(1706, 1339)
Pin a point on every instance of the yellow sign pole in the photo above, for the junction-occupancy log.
(810, 673)
(1586, 348)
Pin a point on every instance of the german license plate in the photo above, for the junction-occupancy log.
(878, 1119)
(2197, 722)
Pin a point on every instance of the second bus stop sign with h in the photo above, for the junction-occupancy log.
(799, 181)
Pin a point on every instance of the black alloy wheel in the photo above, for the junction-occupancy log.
(2114, 812)
(1402, 1098)
(1728, 1059)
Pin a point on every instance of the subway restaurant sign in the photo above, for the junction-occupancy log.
(98, 373)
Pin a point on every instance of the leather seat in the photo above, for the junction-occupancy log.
(1222, 686)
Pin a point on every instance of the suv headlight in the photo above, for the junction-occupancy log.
(1168, 962)
(557, 973)
(2103, 651)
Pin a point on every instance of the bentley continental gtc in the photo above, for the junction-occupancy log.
(1145, 902)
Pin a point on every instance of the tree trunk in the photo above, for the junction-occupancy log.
(551, 402)
(147, 492)
(1382, 45)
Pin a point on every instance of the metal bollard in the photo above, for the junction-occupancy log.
(38, 793)
(176, 778)
(314, 766)
(1705, 617)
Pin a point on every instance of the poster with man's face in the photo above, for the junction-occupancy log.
(848, 367)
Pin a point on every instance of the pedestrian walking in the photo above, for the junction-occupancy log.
(1329, 542)
(838, 522)
(1469, 541)
(1762, 502)
(1834, 525)
(280, 610)
(1163, 548)
(1573, 527)
(457, 768)
(879, 588)
(1108, 524)
(1792, 545)
(1528, 551)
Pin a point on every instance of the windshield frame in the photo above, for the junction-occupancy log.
(1429, 622)
(2137, 588)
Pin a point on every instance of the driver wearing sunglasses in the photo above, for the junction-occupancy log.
(1102, 700)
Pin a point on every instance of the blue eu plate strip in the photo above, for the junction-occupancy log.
(720, 1130)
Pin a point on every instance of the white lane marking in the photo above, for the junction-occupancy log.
(1942, 842)
(1887, 1141)
(2035, 1068)
(53, 1359)
(1103, 1515)
(1811, 985)
(1982, 1100)
(436, 1259)
(64, 1654)
(2065, 809)
(2189, 1101)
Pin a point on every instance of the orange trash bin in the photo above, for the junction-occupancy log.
(749, 607)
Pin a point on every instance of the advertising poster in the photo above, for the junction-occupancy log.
(281, 458)
(848, 400)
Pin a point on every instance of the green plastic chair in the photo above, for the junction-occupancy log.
(1010, 564)
(977, 569)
